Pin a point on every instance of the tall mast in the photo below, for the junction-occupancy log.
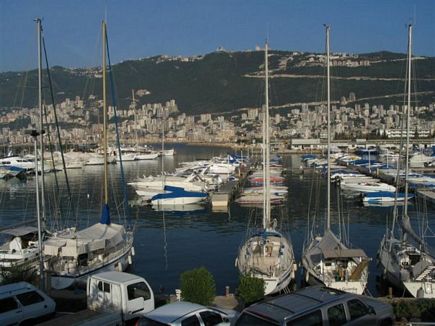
(135, 118)
(328, 107)
(408, 115)
(40, 198)
(106, 172)
(266, 160)
(41, 121)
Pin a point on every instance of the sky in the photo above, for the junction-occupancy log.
(142, 28)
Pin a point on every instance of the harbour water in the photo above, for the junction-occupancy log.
(168, 243)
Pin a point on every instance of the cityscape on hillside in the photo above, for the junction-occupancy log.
(81, 123)
(216, 99)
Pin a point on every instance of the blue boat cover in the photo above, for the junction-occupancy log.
(105, 215)
(387, 194)
(176, 192)
(14, 168)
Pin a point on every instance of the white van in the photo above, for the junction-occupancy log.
(21, 302)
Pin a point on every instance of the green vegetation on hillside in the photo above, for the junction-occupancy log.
(218, 82)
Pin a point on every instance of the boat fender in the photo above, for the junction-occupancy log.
(130, 260)
(420, 293)
(133, 253)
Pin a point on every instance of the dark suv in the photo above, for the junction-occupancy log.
(317, 305)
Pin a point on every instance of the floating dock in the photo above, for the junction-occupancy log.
(428, 195)
(221, 199)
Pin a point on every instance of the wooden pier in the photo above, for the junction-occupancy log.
(428, 195)
(221, 199)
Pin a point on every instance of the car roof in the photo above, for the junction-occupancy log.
(118, 277)
(172, 311)
(14, 288)
(282, 307)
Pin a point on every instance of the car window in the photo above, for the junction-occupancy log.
(250, 320)
(149, 322)
(337, 315)
(138, 290)
(29, 298)
(210, 318)
(311, 319)
(8, 304)
(357, 309)
(191, 321)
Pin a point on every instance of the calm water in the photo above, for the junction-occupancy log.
(168, 243)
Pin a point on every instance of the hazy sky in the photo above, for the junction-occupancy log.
(141, 28)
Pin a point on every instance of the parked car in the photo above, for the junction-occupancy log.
(317, 305)
(186, 314)
(23, 303)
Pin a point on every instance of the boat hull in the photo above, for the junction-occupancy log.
(59, 281)
(177, 201)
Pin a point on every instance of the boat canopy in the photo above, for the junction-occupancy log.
(343, 253)
(93, 238)
(176, 192)
(20, 231)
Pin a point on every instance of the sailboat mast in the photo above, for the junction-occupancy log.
(41, 116)
(135, 118)
(328, 107)
(408, 115)
(40, 213)
(267, 141)
(106, 172)
(266, 219)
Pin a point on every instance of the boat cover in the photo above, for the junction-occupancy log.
(20, 231)
(95, 237)
(343, 253)
(177, 192)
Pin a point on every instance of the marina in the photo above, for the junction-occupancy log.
(263, 186)
(170, 241)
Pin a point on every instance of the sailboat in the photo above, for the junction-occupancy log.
(71, 255)
(405, 261)
(326, 259)
(267, 254)
(21, 247)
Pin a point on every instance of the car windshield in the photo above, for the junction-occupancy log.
(149, 322)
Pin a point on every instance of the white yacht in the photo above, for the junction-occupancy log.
(405, 259)
(325, 258)
(19, 250)
(18, 161)
(71, 255)
(267, 254)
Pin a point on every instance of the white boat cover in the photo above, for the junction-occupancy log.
(20, 231)
(95, 237)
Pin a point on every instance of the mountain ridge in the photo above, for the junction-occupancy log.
(222, 81)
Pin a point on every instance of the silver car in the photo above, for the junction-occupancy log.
(23, 303)
(186, 314)
(317, 305)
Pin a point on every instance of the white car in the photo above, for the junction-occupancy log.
(22, 302)
(186, 314)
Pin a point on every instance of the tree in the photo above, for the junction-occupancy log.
(198, 286)
(250, 289)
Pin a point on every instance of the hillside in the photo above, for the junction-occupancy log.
(227, 81)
